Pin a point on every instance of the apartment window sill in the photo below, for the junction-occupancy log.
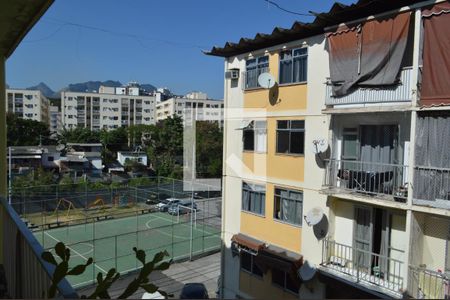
(253, 213)
(254, 152)
(290, 154)
(253, 89)
(293, 83)
(287, 223)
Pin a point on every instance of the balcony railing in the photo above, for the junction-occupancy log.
(432, 187)
(367, 178)
(250, 77)
(397, 93)
(374, 270)
(427, 284)
(27, 275)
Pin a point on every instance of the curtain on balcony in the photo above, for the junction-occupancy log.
(432, 156)
(378, 147)
(436, 55)
(362, 241)
(369, 54)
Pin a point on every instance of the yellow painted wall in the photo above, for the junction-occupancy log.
(255, 162)
(283, 166)
(262, 288)
(269, 229)
(274, 165)
(435, 233)
(287, 97)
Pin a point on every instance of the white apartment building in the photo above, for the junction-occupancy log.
(110, 108)
(55, 119)
(28, 104)
(193, 106)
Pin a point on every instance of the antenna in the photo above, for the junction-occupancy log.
(266, 80)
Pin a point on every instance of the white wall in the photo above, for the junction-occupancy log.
(232, 160)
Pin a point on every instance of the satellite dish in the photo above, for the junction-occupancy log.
(266, 80)
(321, 229)
(319, 146)
(307, 271)
(314, 216)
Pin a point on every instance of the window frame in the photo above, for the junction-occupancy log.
(277, 196)
(292, 60)
(284, 286)
(255, 129)
(253, 266)
(259, 67)
(252, 188)
(290, 130)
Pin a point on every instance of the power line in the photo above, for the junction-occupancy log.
(286, 10)
(136, 37)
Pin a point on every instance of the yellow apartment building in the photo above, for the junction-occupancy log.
(335, 183)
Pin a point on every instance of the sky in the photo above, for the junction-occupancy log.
(149, 41)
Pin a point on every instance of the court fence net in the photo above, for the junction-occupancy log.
(106, 222)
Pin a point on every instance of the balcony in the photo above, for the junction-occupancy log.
(27, 275)
(432, 187)
(360, 178)
(366, 95)
(380, 273)
(427, 284)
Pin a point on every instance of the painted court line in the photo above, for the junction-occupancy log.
(182, 224)
(176, 236)
(76, 252)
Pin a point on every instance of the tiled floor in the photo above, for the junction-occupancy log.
(205, 270)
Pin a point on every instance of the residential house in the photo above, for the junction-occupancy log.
(368, 215)
(25, 158)
(82, 159)
(127, 156)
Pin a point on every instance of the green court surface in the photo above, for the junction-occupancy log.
(110, 242)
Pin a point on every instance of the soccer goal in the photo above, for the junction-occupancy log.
(65, 205)
(189, 212)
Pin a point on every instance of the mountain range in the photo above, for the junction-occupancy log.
(89, 86)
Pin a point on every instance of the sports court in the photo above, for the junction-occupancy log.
(108, 230)
(110, 242)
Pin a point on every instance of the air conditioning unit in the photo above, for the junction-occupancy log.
(232, 74)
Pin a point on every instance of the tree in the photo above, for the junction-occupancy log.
(209, 145)
(113, 141)
(78, 135)
(23, 132)
(165, 147)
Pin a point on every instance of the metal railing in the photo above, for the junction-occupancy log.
(427, 284)
(401, 92)
(250, 77)
(432, 186)
(27, 275)
(370, 178)
(363, 266)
